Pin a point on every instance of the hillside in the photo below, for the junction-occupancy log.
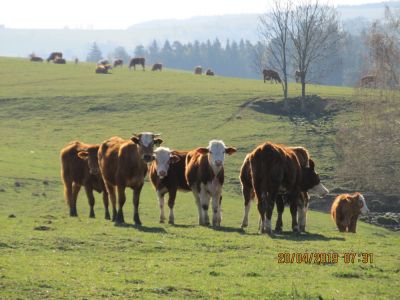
(46, 254)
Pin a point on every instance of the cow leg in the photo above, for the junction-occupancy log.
(68, 193)
(121, 201)
(216, 201)
(89, 194)
(113, 198)
(261, 205)
(204, 202)
(248, 194)
(197, 200)
(353, 224)
(171, 204)
(75, 190)
(271, 197)
(105, 202)
(302, 210)
(160, 197)
(293, 210)
(280, 206)
(136, 196)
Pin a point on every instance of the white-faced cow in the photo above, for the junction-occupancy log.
(205, 176)
(123, 163)
(167, 174)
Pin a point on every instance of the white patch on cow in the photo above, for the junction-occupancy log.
(216, 155)
(162, 156)
(160, 196)
(245, 221)
(319, 190)
(364, 208)
(268, 226)
(146, 138)
(302, 216)
(171, 216)
(204, 196)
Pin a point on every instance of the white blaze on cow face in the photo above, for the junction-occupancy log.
(146, 138)
(146, 142)
(162, 157)
(216, 154)
(319, 190)
(364, 208)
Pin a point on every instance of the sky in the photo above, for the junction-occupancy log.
(120, 14)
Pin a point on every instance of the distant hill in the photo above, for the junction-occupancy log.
(76, 42)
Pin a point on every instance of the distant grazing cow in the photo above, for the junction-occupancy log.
(35, 58)
(271, 75)
(137, 61)
(297, 76)
(123, 163)
(59, 60)
(198, 70)
(54, 55)
(210, 72)
(346, 209)
(79, 167)
(167, 174)
(271, 170)
(118, 62)
(368, 81)
(157, 67)
(205, 176)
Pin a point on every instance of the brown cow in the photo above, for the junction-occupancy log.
(198, 70)
(270, 170)
(35, 58)
(210, 72)
(167, 174)
(297, 76)
(271, 75)
(54, 55)
(137, 61)
(368, 81)
(118, 62)
(157, 66)
(79, 167)
(123, 163)
(205, 176)
(346, 209)
(59, 60)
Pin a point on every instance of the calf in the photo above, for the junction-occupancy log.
(167, 174)
(123, 163)
(205, 176)
(118, 62)
(198, 70)
(157, 66)
(271, 170)
(210, 72)
(79, 167)
(345, 211)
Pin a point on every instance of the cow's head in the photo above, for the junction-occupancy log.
(216, 153)
(310, 181)
(90, 156)
(163, 158)
(145, 142)
(361, 204)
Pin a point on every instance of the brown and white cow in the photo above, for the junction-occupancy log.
(123, 163)
(167, 174)
(205, 176)
(54, 55)
(271, 75)
(79, 167)
(271, 170)
(345, 211)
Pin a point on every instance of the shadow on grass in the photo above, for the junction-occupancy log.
(292, 236)
(229, 229)
(141, 228)
(183, 225)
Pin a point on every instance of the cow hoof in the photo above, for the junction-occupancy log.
(136, 220)
(171, 222)
(302, 228)
(107, 217)
(244, 225)
(162, 221)
(278, 230)
(92, 215)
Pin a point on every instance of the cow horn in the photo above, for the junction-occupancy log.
(156, 134)
(81, 149)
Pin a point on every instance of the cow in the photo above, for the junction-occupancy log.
(297, 76)
(123, 163)
(167, 175)
(102, 69)
(137, 61)
(205, 177)
(59, 60)
(270, 170)
(210, 72)
(36, 58)
(79, 167)
(157, 67)
(345, 211)
(54, 55)
(368, 81)
(271, 75)
(198, 70)
(118, 62)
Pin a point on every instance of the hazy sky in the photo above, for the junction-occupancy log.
(120, 14)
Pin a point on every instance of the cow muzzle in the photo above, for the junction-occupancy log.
(147, 158)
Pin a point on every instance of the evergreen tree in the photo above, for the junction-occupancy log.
(94, 54)
(139, 51)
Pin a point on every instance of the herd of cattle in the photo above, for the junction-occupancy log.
(271, 173)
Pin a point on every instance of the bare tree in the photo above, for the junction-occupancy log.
(314, 31)
(259, 58)
(273, 28)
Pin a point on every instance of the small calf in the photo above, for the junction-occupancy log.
(345, 211)
(167, 175)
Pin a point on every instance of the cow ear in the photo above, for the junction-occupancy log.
(311, 163)
(158, 141)
(202, 150)
(174, 158)
(135, 139)
(83, 155)
(230, 150)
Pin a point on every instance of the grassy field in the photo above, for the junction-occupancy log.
(46, 254)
